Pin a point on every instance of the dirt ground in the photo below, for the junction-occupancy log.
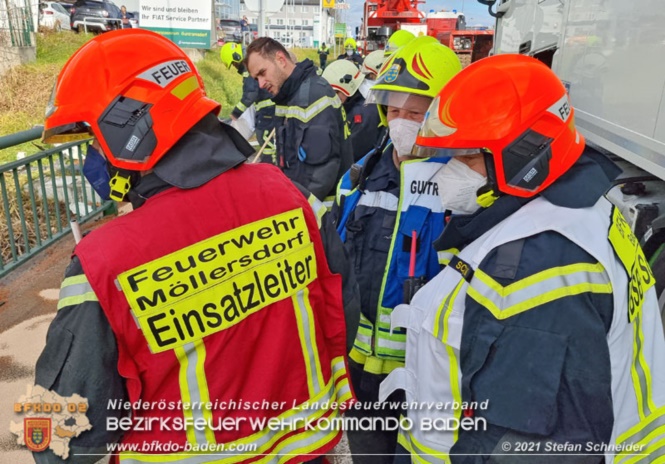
(28, 299)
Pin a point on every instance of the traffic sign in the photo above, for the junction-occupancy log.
(328, 3)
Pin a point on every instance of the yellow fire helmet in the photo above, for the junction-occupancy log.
(350, 43)
(231, 53)
(396, 40)
(422, 67)
(343, 76)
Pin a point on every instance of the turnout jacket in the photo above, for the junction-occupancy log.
(313, 147)
(364, 122)
(252, 94)
(376, 219)
(544, 329)
(102, 346)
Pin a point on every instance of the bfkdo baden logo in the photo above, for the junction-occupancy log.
(49, 421)
(37, 433)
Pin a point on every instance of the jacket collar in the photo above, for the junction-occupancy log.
(302, 71)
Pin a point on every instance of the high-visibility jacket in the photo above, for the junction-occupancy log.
(435, 323)
(230, 311)
(377, 226)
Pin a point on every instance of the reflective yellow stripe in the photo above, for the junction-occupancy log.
(318, 207)
(307, 334)
(194, 388)
(536, 290)
(240, 106)
(186, 87)
(263, 104)
(374, 365)
(454, 365)
(183, 359)
(307, 114)
(420, 453)
(75, 290)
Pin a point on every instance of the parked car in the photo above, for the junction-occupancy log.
(67, 6)
(133, 18)
(53, 16)
(95, 16)
(230, 30)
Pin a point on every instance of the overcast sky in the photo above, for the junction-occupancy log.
(476, 13)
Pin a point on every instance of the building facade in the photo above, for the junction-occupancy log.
(299, 23)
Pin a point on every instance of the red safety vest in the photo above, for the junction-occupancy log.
(225, 314)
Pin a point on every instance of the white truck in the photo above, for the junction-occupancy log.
(610, 54)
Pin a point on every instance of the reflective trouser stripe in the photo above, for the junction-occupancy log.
(419, 452)
(646, 440)
(266, 440)
(194, 389)
(307, 334)
(538, 289)
(318, 207)
(75, 290)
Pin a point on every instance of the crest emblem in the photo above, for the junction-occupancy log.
(392, 73)
(37, 433)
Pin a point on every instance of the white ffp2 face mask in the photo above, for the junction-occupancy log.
(403, 133)
(349, 52)
(458, 184)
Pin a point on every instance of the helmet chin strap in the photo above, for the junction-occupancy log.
(488, 193)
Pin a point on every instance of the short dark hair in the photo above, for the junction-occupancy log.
(267, 48)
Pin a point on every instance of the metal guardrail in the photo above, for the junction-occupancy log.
(40, 196)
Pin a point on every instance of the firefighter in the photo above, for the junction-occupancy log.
(371, 68)
(351, 53)
(378, 210)
(398, 39)
(346, 79)
(211, 297)
(231, 55)
(545, 321)
(324, 51)
(313, 144)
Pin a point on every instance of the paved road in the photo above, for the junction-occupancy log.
(28, 299)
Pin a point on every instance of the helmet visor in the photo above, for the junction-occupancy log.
(402, 100)
(67, 133)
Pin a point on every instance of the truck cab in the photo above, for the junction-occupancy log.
(608, 55)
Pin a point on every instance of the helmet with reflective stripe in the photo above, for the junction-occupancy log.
(343, 76)
(136, 91)
(372, 63)
(516, 110)
(350, 43)
(397, 40)
(230, 53)
(422, 67)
